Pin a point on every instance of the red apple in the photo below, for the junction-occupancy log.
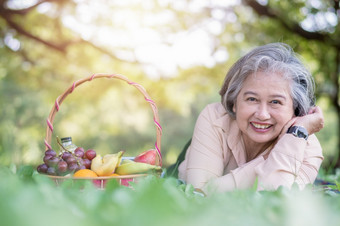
(150, 157)
(125, 181)
(99, 183)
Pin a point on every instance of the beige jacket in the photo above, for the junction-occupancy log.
(216, 159)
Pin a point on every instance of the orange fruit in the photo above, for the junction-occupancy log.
(85, 173)
(114, 175)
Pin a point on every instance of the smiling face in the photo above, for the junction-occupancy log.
(263, 106)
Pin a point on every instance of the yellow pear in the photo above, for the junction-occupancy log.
(105, 166)
(132, 167)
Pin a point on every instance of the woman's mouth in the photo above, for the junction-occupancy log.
(260, 126)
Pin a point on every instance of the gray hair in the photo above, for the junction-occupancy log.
(274, 58)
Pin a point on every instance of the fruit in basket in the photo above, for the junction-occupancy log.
(105, 166)
(71, 160)
(66, 162)
(52, 162)
(46, 158)
(124, 161)
(87, 163)
(62, 167)
(132, 167)
(65, 155)
(125, 181)
(90, 154)
(85, 173)
(42, 168)
(79, 152)
(50, 152)
(51, 171)
(150, 157)
(80, 161)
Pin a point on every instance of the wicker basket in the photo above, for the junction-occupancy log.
(101, 181)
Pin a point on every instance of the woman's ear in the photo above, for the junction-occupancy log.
(234, 108)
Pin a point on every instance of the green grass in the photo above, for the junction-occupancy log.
(31, 199)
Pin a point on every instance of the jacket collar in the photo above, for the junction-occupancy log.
(234, 140)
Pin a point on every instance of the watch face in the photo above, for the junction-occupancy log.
(298, 131)
(301, 134)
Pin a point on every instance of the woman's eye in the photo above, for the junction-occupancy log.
(251, 99)
(275, 102)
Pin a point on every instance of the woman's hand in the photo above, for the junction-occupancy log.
(313, 121)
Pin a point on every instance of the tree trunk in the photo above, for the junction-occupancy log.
(335, 101)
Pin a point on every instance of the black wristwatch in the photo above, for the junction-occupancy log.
(298, 131)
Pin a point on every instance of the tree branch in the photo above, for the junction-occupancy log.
(104, 51)
(8, 14)
(61, 47)
(294, 27)
(5, 10)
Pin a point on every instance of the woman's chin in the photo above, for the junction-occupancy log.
(262, 138)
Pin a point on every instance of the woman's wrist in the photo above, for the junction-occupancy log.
(298, 131)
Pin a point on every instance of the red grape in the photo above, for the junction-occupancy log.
(73, 167)
(46, 158)
(71, 160)
(87, 163)
(79, 152)
(81, 167)
(65, 155)
(51, 171)
(62, 166)
(66, 161)
(90, 154)
(42, 168)
(80, 161)
(52, 162)
(50, 152)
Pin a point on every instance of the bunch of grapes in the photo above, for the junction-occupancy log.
(66, 162)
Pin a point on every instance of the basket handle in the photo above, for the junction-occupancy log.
(61, 98)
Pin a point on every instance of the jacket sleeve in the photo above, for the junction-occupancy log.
(292, 160)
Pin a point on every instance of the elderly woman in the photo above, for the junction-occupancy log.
(263, 129)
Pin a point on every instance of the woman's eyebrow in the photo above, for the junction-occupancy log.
(278, 96)
(272, 96)
(249, 93)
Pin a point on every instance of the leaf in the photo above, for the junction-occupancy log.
(255, 185)
(337, 183)
(25, 172)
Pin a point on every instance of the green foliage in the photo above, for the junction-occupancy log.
(154, 201)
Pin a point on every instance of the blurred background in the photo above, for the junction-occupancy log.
(178, 50)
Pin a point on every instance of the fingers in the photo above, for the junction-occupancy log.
(321, 119)
(313, 121)
(315, 110)
(311, 110)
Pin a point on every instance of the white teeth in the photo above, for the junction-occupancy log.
(259, 126)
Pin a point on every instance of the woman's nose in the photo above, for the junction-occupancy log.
(262, 112)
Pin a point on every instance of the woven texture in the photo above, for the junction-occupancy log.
(101, 181)
(68, 91)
